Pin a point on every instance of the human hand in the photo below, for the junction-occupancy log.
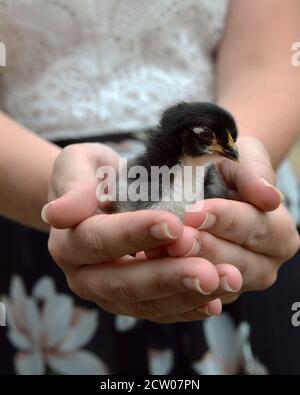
(243, 233)
(95, 250)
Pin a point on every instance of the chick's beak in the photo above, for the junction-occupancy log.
(231, 153)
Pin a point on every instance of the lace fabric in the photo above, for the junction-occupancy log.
(77, 69)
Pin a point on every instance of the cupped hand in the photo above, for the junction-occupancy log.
(253, 179)
(102, 254)
(255, 233)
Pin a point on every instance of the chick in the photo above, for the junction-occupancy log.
(189, 134)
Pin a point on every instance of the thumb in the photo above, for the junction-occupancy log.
(253, 178)
(74, 184)
(77, 204)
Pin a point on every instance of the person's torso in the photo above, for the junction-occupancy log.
(82, 68)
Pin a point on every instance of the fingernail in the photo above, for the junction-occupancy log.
(205, 310)
(210, 313)
(195, 250)
(225, 286)
(269, 185)
(209, 221)
(161, 231)
(44, 212)
(193, 284)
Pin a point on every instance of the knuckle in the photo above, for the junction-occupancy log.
(158, 321)
(109, 307)
(73, 149)
(56, 252)
(208, 245)
(118, 290)
(288, 240)
(267, 280)
(229, 221)
(289, 249)
(69, 150)
(147, 310)
(162, 320)
(228, 224)
(129, 239)
(188, 299)
(284, 252)
(77, 287)
(52, 248)
(258, 232)
(163, 285)
(93, 243)
(295, 245)
(241, 262)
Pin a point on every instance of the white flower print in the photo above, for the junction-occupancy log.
(124, 323)
(49, 331)
(160, 361)
(229, 349)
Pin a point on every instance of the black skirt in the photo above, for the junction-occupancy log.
(49, 330)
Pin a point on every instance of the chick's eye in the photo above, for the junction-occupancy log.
(206, 137)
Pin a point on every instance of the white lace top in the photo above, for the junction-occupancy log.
(81, 68)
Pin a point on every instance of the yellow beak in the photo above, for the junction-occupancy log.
(230, 151)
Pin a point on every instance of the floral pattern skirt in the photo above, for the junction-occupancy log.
(51, 331)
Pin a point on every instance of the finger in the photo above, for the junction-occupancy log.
(106, 237)
(253, 177)
(212, 248)
(178, 303)
(229, 298)
(241, 223)
(156, 252)
(75, 184)
(200, 243)
(74, 206)
(213, 308)
(254, 271)
(142, 311)
(186, 245)
(231, 280)
(140, 255)
(184, 302)
(246, 269)
(216, 251)
(135, 281)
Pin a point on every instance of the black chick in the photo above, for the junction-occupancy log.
(189, 134)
